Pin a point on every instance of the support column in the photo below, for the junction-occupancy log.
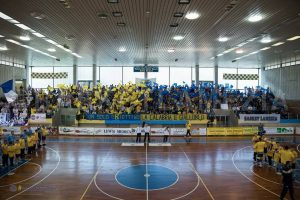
(216, 69)
(75, 74)
(197, 74)
(27, 76)
(94, 75)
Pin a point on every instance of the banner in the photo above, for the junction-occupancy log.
(50, 75)
(221, 131)
(298, 130)
(112, 117)
(3, 118)
(279, 130)
(149, 117)
(39, 117)
(125, 131)
(259, 118)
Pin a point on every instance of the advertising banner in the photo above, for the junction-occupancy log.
(125, 131)
(222, 131)
(149, 117)
(38, 117)
(112, 117)
(279, 130)
(259, 118)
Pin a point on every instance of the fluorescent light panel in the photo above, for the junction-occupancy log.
(277, 44)
(293, 38)
(1, 36)
(24, 27)
(266, 48)
(29, 47)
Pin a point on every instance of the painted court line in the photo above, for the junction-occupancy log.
(198, 175)
(15, 168)
(40, 169)
(298, 147)
(87, 188)
(41, 179)
(147, 175)
(233, 162)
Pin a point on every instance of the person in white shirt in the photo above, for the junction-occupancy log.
(166, 134)
(147, 133)
(138, 134)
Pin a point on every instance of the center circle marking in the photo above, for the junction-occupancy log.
(143, 177)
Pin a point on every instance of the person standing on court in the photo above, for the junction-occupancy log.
(254, 140)
(259, 146)
(147, 133)
(138, 134)
(286, 156)
(166, 134)
(287, 180)
(4, 147)
(11, 153)
(188, 129)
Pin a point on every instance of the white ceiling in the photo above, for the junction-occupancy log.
(98, 40)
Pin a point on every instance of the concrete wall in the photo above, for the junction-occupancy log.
(283, 81)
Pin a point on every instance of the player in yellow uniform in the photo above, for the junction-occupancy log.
(4, 147)
(11, 153)
(270, 152)
(17, 150)
(44, 134)
(188, 129)
(254, 140)
(30, 144)
(35, 140)
(286, 155)
(259, 146)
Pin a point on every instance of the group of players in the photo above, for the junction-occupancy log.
(145, 129)
(282, 158)
(16, 148)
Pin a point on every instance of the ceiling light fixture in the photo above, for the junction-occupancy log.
(221, 54)
(255, 18)
(117, 14)
(184, 1)
(122, 49)
(192, 15)
(4, 16)
(1, 36)
(24, 37)
(38, 34)
(29, 47)
(254, 52)
(266, 39)
(171, 50)
(122, 24)
(266, 48)
(112, 1)
(37, 15)
(277, 44)
(223, 39)
(51, 49)
(178, 37)
(178, 14)
(24, 27)
(3, 48)
(50, 41)
(75, 54)
(239, 51)
(102, 15)
(13, 21)
(174, 25)
(293, 38)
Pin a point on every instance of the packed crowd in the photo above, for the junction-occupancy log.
(16, 148)
(282, 158)
(142, 98)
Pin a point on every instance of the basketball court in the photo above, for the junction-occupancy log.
(103, 168)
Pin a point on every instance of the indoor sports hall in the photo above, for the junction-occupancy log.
(149, 99)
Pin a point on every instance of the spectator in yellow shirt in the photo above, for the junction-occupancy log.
(17, 150)
(11, 153)
(4, 147)
(260, 146)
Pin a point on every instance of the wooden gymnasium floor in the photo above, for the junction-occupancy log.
(78, 168)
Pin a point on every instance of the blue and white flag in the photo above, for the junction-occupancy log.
(7, 88)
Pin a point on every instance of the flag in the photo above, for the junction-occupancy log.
(7, 88)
